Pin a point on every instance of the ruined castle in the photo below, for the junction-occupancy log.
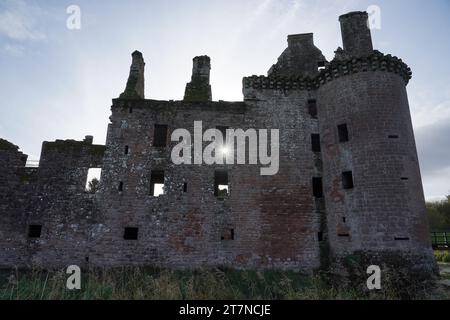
(348, 181)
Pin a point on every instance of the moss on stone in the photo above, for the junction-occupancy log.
(130, 90)
(197, 92)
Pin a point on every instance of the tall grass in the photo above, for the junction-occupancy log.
(442, 256)
(150, 283)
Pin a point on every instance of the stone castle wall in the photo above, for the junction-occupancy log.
(302, 218)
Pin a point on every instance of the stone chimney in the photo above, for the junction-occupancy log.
(356, 37)
(300, 59)
(199, 88)
(135, 84)
(301, 40)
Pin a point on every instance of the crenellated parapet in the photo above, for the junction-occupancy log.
(377, 61)
(339, 67)
(278, 83)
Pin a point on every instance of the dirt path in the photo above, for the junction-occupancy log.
(444, 270)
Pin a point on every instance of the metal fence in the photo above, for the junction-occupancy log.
(440, 240)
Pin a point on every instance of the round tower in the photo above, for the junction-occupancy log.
(373, 189)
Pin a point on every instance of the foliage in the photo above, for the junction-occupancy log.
(93, 186)
(439, 215)
(442, 256)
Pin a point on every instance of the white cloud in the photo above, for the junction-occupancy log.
(430, 115)
(436, 186)
(13, 50)
(433, 145)
(289, 14)
(18, 21)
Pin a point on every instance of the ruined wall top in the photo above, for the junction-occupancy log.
(6, 145)
(135, 85)
(72, 146)
(301, 66)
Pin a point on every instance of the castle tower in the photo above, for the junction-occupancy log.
(373, 189)
(199, 88)
(135, 88)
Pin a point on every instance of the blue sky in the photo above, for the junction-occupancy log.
(58, 83)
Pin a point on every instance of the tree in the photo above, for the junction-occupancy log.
(439, 215)
(93, 186)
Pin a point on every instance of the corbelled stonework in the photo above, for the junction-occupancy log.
(340, 66)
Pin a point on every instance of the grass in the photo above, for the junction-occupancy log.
(442, 256)
(156, 284)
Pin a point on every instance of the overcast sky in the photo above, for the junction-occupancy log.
(57, 83)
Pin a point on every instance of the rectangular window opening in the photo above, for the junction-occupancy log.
(312, 108)
(157, 183)
(227, 235)
(93, 180)
(344, 235)
(393, 137)
(34, 231)
(221, 187)
(130, 110)
(130, 233)
(127, 150)
(347, 180)
(315, 142)
(401, 239)
(160, 136)
(321, 65)
(317, 187)
(343, 133)
(120, 188)
(405, 178)
(320, 236)
(185, 187)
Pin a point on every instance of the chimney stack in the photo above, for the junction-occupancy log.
(301, 40)
(356, 37)
(199, 88)
(135, 84)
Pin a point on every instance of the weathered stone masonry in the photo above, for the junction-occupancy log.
(349, 179)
